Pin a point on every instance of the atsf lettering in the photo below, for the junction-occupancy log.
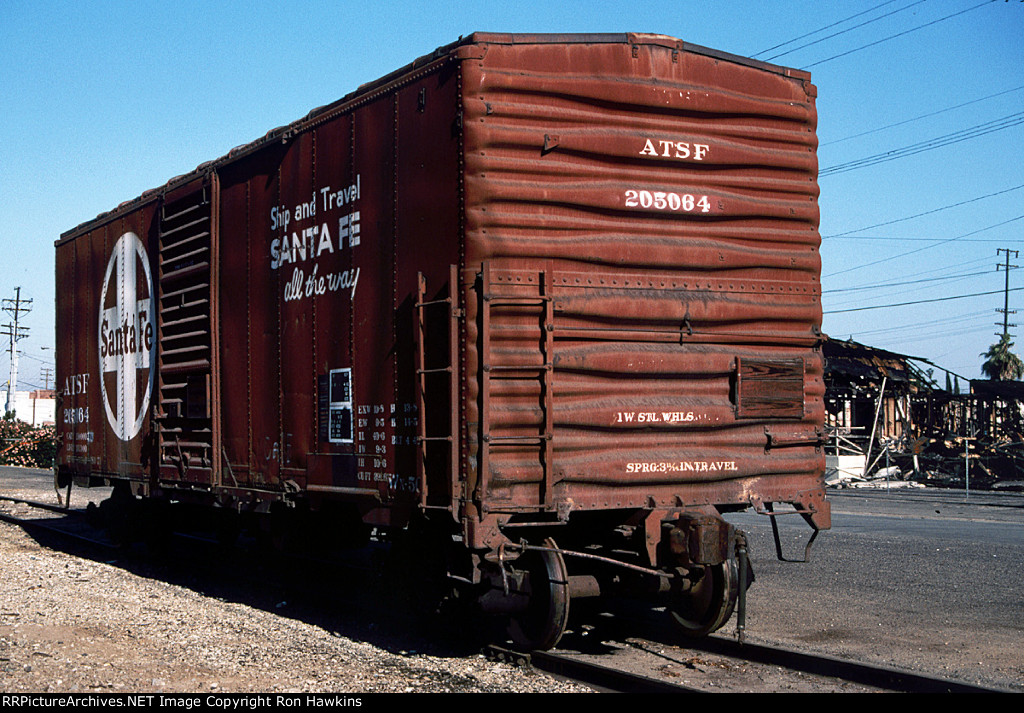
(76, 384)
(682, 150)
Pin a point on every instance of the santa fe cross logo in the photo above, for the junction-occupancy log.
(127, 342)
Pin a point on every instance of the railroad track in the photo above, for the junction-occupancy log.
(603, 678)
(818, 672)
(878, 676)
(72, 525)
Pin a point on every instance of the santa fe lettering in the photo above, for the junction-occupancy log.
(127, 338)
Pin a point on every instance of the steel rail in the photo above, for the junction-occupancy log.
(607, 678)
(603, 678)
(47, 524)
(36, 504)
(877, 675)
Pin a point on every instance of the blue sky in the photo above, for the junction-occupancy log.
(101, 101)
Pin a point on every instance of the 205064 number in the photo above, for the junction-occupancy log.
(666, 200)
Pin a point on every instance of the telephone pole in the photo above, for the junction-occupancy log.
(1006, 292)
(15, 308)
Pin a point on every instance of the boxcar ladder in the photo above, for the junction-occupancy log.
(497, 291)
(444, 433)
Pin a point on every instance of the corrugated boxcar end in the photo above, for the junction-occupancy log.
(612, 338)
(695, 268)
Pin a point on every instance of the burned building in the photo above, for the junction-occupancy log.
(868, 390)
(882, 410)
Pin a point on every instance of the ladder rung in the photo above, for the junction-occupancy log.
(433, 302)
(517, 440)
(185, 444)
(525, 367)
(525, 301)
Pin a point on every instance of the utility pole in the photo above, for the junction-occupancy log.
(47, 374)
(15, 308)
(1006, 291)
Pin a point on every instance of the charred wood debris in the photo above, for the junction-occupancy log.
(891, 424)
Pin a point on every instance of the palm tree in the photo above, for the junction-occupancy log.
(1000, 363)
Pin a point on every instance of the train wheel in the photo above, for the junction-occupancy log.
(541, 626)
(709, 603)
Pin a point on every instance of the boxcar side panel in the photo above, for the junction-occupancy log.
(332, 459)
(428, 242)
(107, 346)
(324, 236)
(250, 379)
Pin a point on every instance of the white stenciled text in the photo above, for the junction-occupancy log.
(667, 148)
(667, 201)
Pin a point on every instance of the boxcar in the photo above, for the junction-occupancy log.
(548, 303)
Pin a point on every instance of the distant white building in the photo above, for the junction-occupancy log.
(35, 407)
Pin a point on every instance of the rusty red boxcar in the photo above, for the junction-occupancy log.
(549, 302)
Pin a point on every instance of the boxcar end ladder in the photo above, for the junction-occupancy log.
(544, 372)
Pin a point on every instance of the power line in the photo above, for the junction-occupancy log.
(921, 302)
(927, 212)
(922, 116)
(927, 335)
(938, 142)
(903, 328)
(843, 32)
(901, 293)
(905, 239)
(920, 273)
(932, 336)
(822, 29)
(941, 269)
(882, 285)
(968, 263)
(926, 247)
(899, 34)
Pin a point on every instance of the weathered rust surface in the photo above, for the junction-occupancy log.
(664, 201)
(631, 224)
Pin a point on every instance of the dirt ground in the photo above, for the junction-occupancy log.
(70, 624)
